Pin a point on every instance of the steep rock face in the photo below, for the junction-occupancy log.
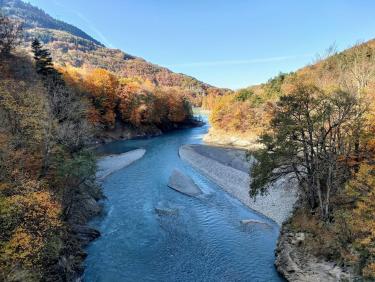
(295, 264)
(123, 131)
(85, 206)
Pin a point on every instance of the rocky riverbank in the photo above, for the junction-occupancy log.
(219, 137)
(125, 131)
(86, 205)
(229, 169)
(297, 264)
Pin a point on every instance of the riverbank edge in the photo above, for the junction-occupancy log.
(88, 205)
(218, 137)
(111, 163)
(236, 183)
(296, 264)
(290, 261)
(124, 131)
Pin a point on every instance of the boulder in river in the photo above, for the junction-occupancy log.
(183, 184)
(85, 233)
(252, 221)
(164, 209)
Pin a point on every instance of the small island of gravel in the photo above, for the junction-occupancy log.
(109, 164)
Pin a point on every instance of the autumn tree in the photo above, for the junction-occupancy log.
(177, 108)
(10, 34)
(74, 172)
(313, 140)
(360, 219)
(29, 214)
(141, 103)
(356, 68)
(16, 99)
(43, 129)
(102, 86)
(273, 87)
(353, 226)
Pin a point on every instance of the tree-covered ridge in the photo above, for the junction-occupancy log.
(131, 101)
(256, 103)
(34, 17)
(245, 112)
(72, 51)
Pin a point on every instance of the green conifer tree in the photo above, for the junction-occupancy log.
(43, 59)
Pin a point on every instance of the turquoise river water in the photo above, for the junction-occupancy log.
(203, 242)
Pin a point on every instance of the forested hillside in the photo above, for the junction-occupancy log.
(70, 46)
(44, 167)
(156, 99)
(34, 18)
(62, 91)
(318, 125)
(49, 114)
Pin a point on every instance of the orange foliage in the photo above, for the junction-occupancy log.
(131, 100)
(102, 86)
(236, 116)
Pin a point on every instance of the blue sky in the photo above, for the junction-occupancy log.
(232, 43)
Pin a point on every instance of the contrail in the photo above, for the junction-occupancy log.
(239, 62)
(88, 22)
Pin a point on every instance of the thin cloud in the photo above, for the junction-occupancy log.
(239, 62)
(94, 29)
(88, 22)
(58, 4)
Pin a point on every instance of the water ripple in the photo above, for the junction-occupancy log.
(203, 242)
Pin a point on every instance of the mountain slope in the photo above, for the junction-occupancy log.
(71, 46)
(34, 17)
(240, 118)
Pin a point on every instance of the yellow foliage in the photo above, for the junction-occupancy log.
(236, 116)
(23, 247)
(23, 109)
(134, 100)
(362, 222)
(39, 218)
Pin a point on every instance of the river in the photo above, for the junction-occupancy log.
(203, 242)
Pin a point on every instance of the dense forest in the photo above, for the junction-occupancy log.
(317, 124)
(49, 114)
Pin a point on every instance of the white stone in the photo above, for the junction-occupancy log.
(184, 184)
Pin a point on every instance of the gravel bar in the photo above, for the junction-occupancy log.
(109, 164)
(222, 166)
